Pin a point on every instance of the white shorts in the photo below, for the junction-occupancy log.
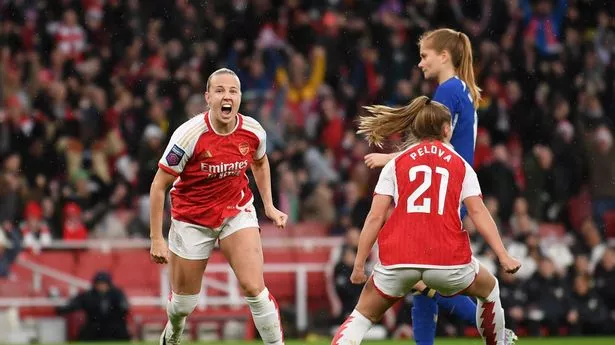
(195, 242)
(397, 282)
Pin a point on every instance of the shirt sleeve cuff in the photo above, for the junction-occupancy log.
(168, 170)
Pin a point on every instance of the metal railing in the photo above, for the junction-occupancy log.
(229, 286)
(106, 245)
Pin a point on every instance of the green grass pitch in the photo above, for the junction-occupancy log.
(440, 341)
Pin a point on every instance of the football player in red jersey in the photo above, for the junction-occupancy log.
(423, 239)
(206, 162)
(446, 57)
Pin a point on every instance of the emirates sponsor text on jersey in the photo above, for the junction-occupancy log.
(223, 170)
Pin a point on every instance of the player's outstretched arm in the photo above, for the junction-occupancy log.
(158, 251)
(373, 223)
(487, 228)
(378, 160)
(262, 176)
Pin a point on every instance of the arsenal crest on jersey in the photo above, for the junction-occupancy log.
(244, 148)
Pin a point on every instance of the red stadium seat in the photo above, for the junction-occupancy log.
(551, 230)
(135, 273)
(216, 257)
(283, 284)
(63, 261)
(309, 229)
(317, 287)
(91, 261)
(280, 255)
(609, 223)
(314, 255)
(579, 208)
(269, 230)
(9, 288)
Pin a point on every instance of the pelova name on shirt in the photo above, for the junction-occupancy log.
(431, 150)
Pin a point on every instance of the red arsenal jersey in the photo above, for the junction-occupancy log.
(211, 182)
(428, 182)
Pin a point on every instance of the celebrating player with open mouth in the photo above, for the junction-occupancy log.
(206, 162)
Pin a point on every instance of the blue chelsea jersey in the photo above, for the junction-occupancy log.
(455, 95)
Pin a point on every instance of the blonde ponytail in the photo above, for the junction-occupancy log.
(383, 121)
(466, 69)
(421, 119)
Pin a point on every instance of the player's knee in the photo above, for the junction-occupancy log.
(488, 290)
(373, 318)
(252, 288)
(369, 314)
(483, 286)
(183, 305)
(494, 292)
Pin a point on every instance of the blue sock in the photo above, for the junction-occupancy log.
(425, 310)
(460, 306)
(424, 319)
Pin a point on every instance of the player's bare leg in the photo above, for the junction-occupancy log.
(186, 277)
(489, 312)
(244, 252)
(371, 307)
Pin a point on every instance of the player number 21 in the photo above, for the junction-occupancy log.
(422, 188)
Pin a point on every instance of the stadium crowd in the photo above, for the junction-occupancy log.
(91, 90)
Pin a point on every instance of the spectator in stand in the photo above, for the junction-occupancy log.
(580, 268)
(319, 205)
(548, 299)
(514, 299)
(12, 188)
(539, 176)
(493, 207)
(601, 156)
(69, 34)
(497, 179)
(521, 223)
(82, 84)
(588, 314)
(604, 276)
(347, 292)
(105, 307)
(483, 154)
(544, 24)
(592, 242)
(288, 195)
(35, 231)
(150, 151)
(73, 228)
(10, 246)
(302, 87)
(355, 205)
